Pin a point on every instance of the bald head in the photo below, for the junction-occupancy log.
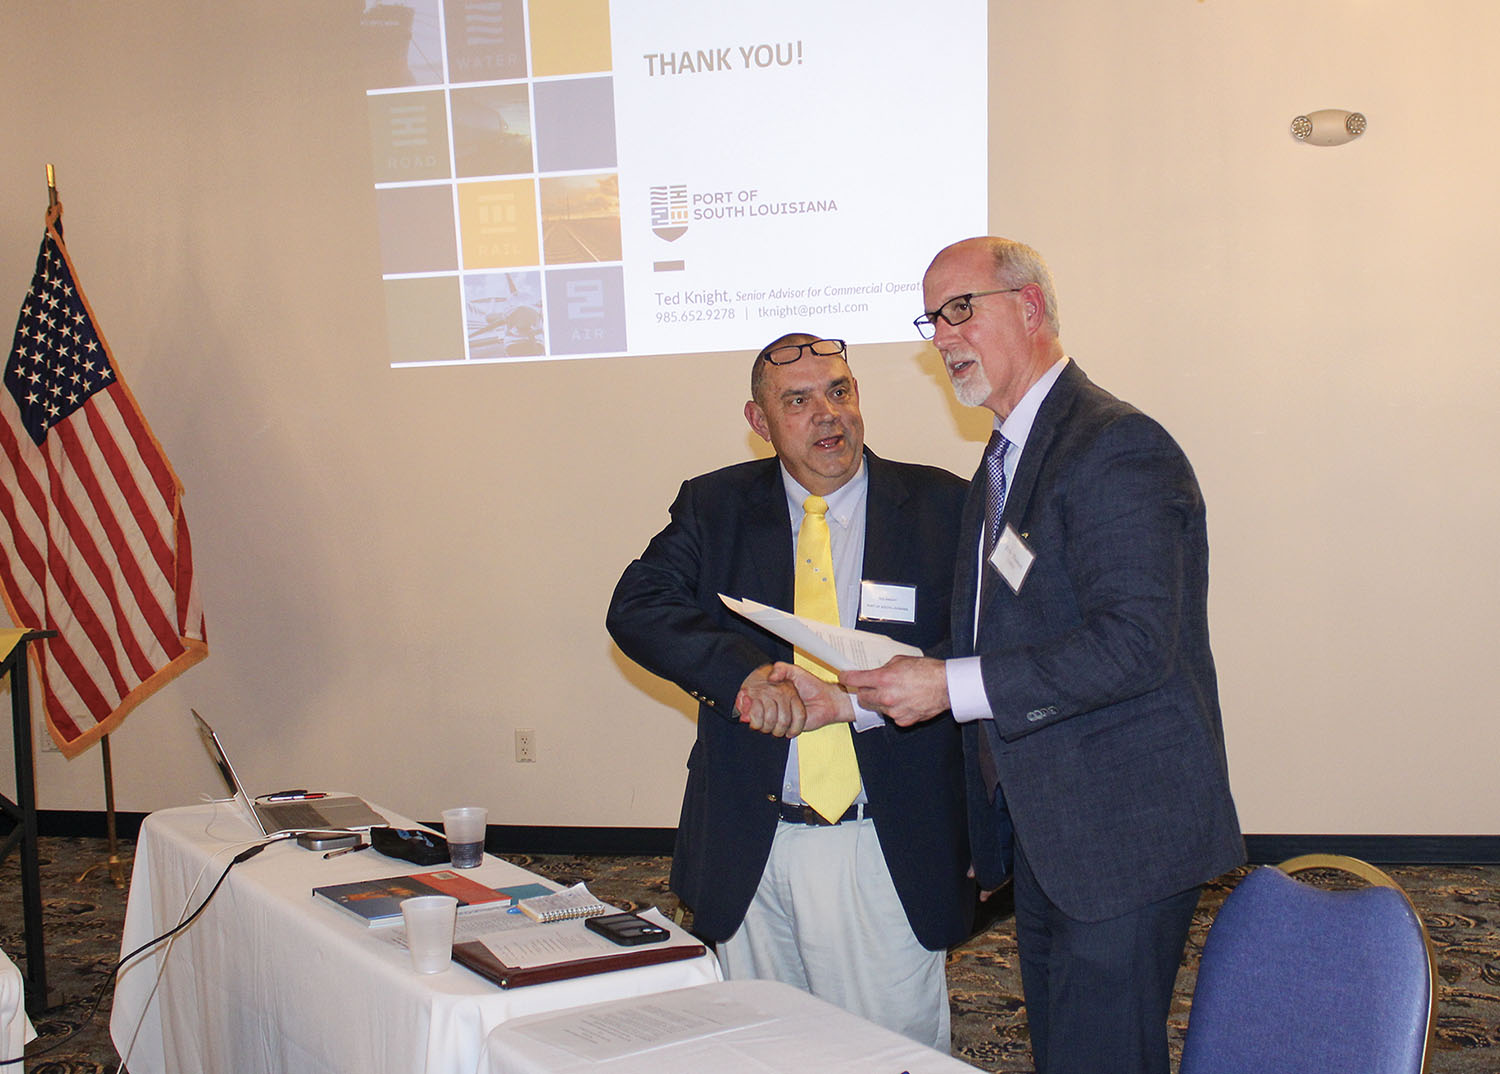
(759, 366)
(1013, 264)
(994, 319)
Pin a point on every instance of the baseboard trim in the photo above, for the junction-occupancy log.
(523, 839)
(1379, 849)
(87, 823)
(542, 839)
(499, 838)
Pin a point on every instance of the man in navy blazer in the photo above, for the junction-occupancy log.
(1080, 671)
(859, 912)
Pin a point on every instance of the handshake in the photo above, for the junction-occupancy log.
(877, 677)
(784, 700)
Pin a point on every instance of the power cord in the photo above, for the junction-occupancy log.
(98, 998)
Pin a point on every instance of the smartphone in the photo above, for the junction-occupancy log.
(626, 929)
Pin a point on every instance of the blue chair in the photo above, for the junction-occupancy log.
(1296, 979)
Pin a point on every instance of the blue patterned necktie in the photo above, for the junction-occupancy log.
(994, 497)
(994, 507)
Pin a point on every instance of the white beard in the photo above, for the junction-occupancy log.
(974, 388)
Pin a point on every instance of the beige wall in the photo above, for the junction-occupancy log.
(400, 568)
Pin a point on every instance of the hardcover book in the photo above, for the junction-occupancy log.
(378, 902)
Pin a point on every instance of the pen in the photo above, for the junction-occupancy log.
(295, 796)
(345, 850)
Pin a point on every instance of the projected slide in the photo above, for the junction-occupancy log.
(579, 179)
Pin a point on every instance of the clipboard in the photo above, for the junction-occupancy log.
(477, 957)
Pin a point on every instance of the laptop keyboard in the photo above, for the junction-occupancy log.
(295, 815)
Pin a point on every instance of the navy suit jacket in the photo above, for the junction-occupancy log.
(1107, 733)
(731, 533)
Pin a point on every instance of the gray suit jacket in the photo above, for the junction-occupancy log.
(1107, 734)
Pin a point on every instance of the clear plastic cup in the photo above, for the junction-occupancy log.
(429, 931)
(463, 827)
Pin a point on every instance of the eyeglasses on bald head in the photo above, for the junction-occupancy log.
(788, 353)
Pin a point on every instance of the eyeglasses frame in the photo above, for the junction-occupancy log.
(929, 320)
(802, 348)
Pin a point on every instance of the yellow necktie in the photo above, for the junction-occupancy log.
(826, 766)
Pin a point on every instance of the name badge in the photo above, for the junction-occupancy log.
(883, 602)
(1012, 558)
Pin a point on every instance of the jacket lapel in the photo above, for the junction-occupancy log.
(885, 544)
(1039, 441)
(1044, 432)
(966, 577)
(766, 533)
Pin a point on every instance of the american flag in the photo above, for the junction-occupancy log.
(93, 542)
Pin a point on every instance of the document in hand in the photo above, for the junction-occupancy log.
(839, 647)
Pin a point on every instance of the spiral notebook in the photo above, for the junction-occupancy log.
(576, 901)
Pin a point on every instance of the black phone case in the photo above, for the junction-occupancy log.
(409, 844)
(627, 930)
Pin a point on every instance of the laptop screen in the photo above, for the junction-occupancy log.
(226, 770)
(336, 812)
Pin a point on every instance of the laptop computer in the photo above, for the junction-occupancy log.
(318, 814)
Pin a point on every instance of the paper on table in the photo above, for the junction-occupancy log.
(839, 647)
(472, 926)
(561, 941)
(642, 1025)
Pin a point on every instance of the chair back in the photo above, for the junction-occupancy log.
(1295, 978)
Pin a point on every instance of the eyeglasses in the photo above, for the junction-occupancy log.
(955, 311)
(788, 354)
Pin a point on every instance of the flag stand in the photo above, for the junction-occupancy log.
(23, 812)
(116, 871)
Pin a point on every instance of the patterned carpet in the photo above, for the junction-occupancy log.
(85, 911)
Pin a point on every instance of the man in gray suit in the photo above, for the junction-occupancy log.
(1080, 671)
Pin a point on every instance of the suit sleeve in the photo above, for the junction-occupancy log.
(1109, 585)
(666, 616)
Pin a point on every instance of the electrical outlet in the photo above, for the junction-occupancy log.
(526, 746)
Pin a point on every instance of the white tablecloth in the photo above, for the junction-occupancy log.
(734, 1026)
(15, 1027)
(271, 980)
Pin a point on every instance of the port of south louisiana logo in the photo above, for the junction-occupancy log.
(669, 211)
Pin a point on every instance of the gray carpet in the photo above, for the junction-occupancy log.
(85, 912)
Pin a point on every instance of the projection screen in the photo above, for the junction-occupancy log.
(580, 179)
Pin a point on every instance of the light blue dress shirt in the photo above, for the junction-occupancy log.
(846, 536)
(965, 681)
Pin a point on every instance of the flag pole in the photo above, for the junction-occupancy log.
(116, 874)
(52, 199)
